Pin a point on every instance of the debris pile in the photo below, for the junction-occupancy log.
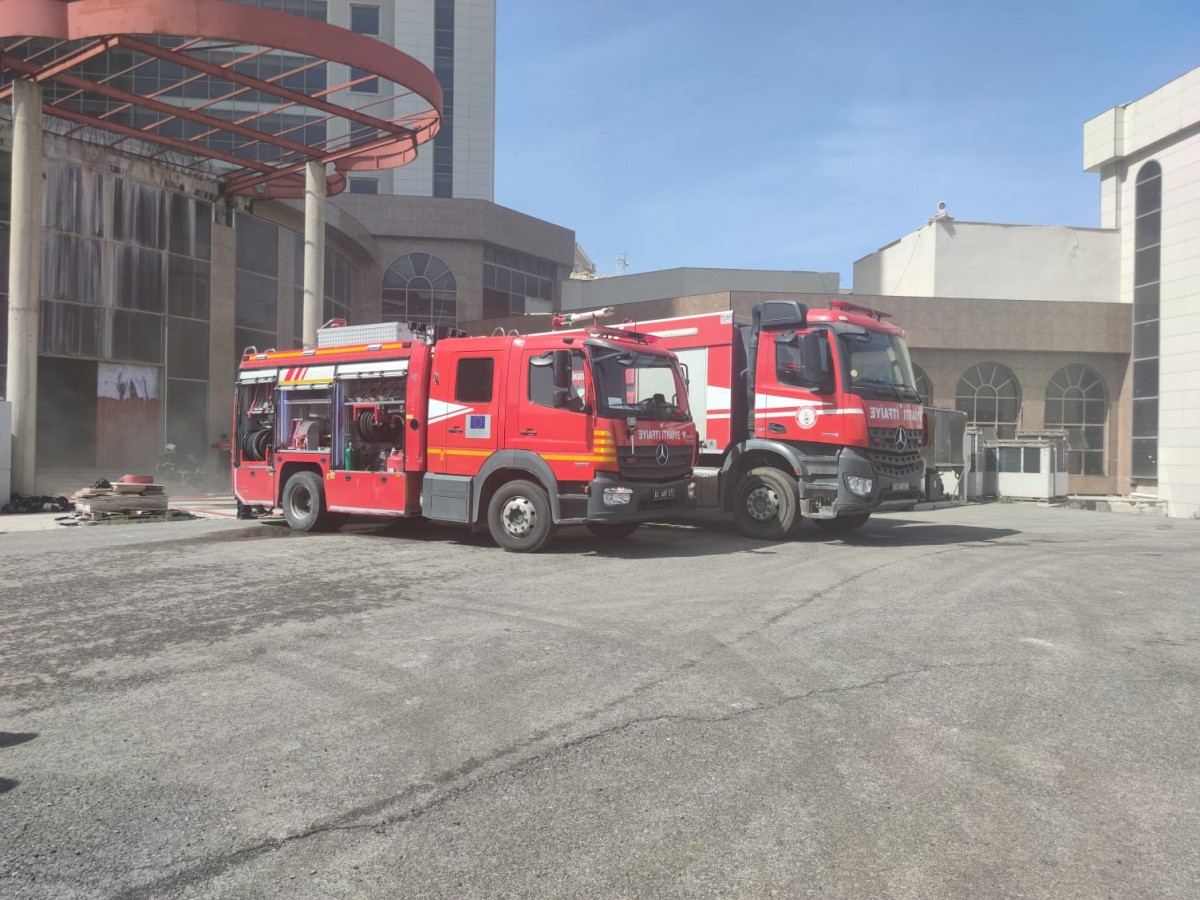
(131, 498)
(20, 503)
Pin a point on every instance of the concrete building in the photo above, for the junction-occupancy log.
(594, 293)
(1144, 260)
(1019, 326)
(153, 276)
(1147, 154)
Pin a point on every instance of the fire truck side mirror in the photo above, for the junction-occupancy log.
(562, 369)
(559, 362)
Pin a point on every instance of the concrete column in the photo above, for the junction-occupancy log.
(24, 281)
(314, 250)
(223, 349)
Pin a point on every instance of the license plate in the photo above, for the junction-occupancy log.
(901, 486)
(664, 493)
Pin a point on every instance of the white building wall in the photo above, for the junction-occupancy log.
(1162, 126)
(950, 258)
(1179, 335)
(1026, 262)
(903, 268)
(475, 99)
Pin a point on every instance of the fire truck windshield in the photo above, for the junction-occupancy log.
(879, 363)
(646, 385)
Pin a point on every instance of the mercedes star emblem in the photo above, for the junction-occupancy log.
(901, 439)
(662, 453)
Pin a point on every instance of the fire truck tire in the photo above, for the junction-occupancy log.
(766, 504)
(304, 503)
(612, 531)
(842, 524)
(519, 517)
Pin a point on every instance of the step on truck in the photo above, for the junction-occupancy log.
(800, 414)
(518, 435)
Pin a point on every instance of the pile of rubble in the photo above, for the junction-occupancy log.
(20, 503)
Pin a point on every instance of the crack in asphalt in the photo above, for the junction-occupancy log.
(350, 821)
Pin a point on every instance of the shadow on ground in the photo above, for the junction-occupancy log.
(694, 536)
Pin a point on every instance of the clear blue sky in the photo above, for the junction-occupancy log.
(800, 135)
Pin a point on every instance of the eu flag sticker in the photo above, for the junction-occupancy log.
(479, 426)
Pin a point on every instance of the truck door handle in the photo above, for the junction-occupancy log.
(456, 430)
(529, 432)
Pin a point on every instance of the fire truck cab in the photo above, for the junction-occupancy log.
(801, 414)
(516, 434)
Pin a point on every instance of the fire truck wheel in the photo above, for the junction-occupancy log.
(519, 517)
(304, 503)
(766, 504)
(842, 524)
(612, 531)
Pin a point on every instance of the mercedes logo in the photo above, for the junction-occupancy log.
(901, 439)
(662, 453)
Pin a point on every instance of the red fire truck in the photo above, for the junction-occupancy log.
(515, 434)
(800, 414)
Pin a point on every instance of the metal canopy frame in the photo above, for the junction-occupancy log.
(254, 133)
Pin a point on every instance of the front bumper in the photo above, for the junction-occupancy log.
(647, 500)
(827, 498)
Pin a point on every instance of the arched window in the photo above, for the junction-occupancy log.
(990, 395)
(419, 287)
(924, 386)
(1077, 402)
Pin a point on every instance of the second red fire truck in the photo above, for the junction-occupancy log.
(515, 434)
(801, 414)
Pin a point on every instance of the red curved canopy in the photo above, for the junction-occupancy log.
(221, 89)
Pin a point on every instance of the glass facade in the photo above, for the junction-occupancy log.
(135, 72)
(338, 290)
(256, 285)
(1147, 263)
(364, 19)
(124, 292)
(337, 287)
(515, 284)
(117, 257)
(990, 395)
(443, 68)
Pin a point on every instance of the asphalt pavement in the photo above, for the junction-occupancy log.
(986, 701)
